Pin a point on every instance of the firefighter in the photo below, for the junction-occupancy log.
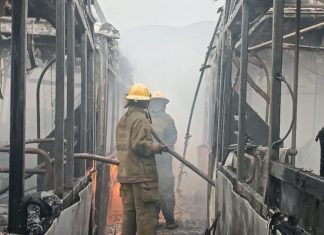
(164, 125)
(137, 172)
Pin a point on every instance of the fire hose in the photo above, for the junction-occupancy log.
(182, 160)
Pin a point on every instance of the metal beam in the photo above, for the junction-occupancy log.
(227, 95)
(296, 74)
(28, 171)
(17, 216)
(41, 153)
(277, 41)
(59, 99)
(80, 164)
(113, 108)
(220, 96)
(252, 83)
(243, 88)
(214, 157)
(274, 122)
(82, 21)
(102, 104)
(27, 176)
(47, 182)
(94, 157)
(91, 106)
(290, 46)
(221, 86)
(309, 183)
(216, 107)
(234, 15)
(69, 176)
(302, 31)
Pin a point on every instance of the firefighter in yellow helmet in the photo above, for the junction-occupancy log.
(137, 172)
(164, 125)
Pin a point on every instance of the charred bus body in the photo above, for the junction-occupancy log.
(62, 62)
(267, 56)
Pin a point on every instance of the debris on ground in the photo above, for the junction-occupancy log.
(189, 215)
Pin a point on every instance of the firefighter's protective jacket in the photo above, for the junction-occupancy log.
(135, 148)
(164, 125)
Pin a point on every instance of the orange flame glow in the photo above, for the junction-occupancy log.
(115, 208)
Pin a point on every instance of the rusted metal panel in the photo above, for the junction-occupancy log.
(48, 13)
(41, 27)
(44, 28)
(220, 98)
(246, 191)
(226, 100)
(75, 219)
(309, 211)
(304, 181)
(257, 129)
(237, 215)
(106, 30)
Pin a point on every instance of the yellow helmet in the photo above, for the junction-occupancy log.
(159, 95)
(138, 92)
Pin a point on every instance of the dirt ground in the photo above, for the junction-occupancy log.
(190, 213)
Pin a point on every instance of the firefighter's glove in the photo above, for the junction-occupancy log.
(159, 148)
(166, 148)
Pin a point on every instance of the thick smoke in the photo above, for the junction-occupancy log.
(168, 59)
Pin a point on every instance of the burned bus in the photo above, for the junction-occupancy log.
(264, 98)
(62, 79)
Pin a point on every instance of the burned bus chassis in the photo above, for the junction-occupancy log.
(258, 189)
(80, 146)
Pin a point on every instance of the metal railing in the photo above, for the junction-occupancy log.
(46, 168)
